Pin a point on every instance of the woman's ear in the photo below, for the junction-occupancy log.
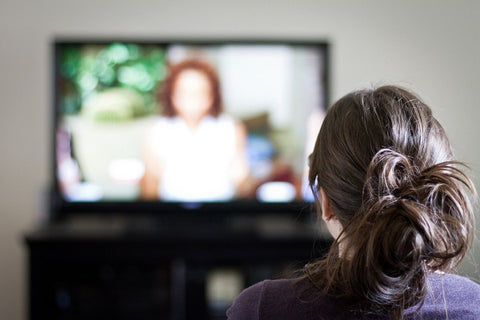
(327, 212)
(328, 215)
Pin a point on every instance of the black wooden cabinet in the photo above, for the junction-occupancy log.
(107, 271)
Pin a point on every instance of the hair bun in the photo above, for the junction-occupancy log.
(416, 224)
(433, 201)
(398, 242)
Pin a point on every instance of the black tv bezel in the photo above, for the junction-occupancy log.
(60, 208)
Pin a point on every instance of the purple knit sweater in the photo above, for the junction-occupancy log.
(449, 297)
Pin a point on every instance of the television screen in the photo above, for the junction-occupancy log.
(194, 123)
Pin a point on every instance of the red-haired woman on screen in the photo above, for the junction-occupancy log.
(195, 152)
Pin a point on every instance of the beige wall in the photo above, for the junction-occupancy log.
(432, 46)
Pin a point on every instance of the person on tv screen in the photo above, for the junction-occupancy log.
(195, 151)
(399, 209)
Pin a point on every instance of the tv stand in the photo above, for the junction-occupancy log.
(125, 268)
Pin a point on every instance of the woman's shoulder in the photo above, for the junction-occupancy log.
(285, 299)
(454, 284)
(269, 299)
(452, 295)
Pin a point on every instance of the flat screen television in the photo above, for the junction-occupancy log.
(185, 126)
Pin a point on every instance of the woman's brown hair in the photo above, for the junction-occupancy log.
(169, 83)
(386, 167)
